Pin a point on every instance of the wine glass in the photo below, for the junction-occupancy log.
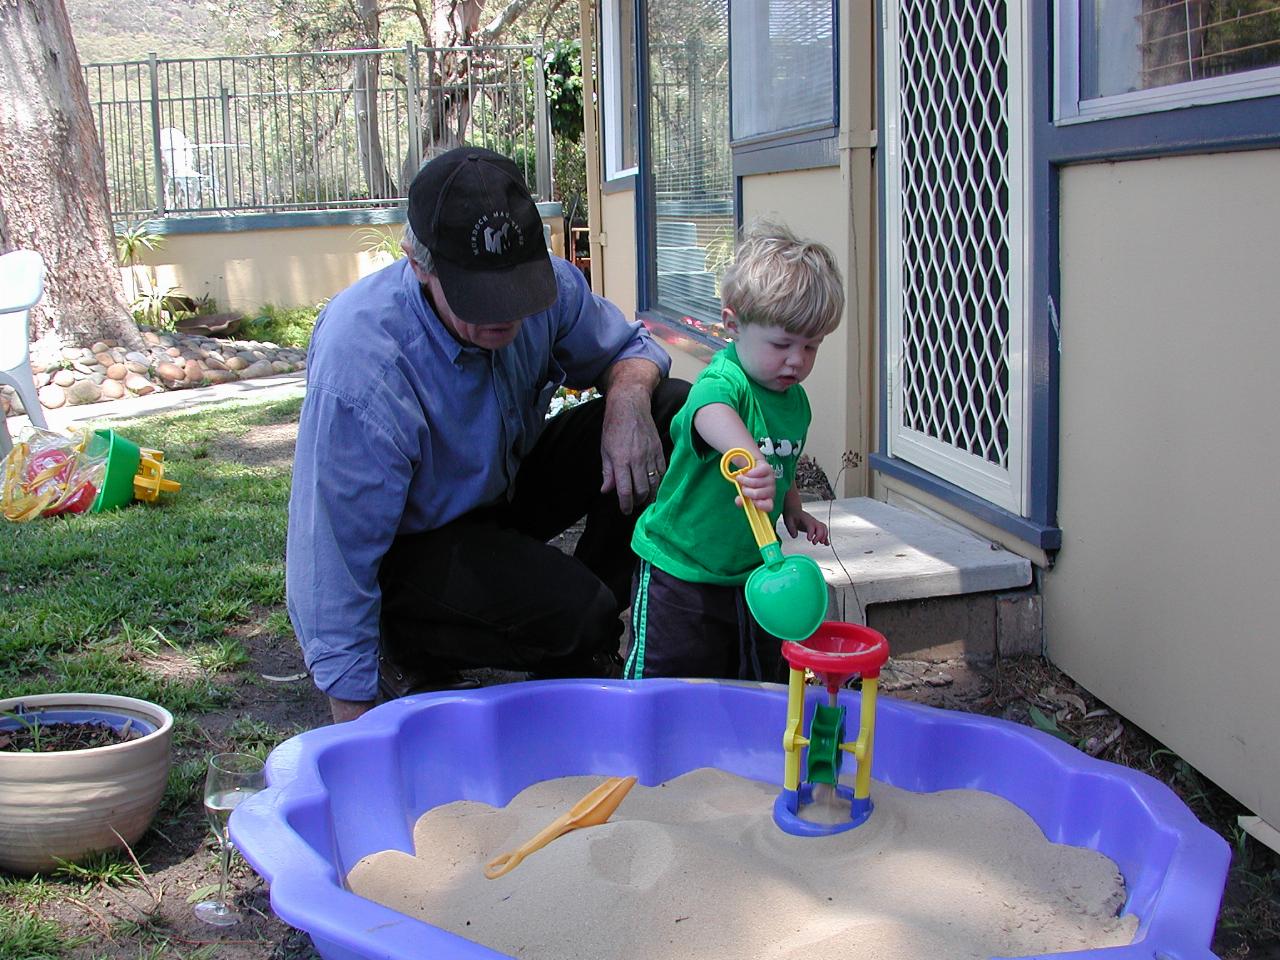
(232, 777)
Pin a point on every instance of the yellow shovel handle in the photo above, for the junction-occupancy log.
(761, 528)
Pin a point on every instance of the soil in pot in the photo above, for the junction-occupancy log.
(37, 737)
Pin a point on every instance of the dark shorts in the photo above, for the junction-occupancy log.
(683, 629)
(488, 590)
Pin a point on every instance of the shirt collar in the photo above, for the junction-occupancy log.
(417, 300)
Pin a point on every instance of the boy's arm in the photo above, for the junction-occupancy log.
(797, 521)
(720, 427)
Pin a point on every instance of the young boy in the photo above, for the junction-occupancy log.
(689, 616)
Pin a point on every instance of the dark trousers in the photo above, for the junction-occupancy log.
(487, 590)
(683, 629)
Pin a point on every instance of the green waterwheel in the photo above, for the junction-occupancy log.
(826, 733)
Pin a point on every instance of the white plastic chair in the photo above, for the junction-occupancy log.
(21, 287)
(178, 157)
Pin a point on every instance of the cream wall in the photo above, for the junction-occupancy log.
(618, 223)
(286, 267)
(1162, 600)
(803, 200)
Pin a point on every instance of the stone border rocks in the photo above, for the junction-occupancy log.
(70, 376)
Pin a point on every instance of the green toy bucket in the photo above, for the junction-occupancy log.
(123, 460)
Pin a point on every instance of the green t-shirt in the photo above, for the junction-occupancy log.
(693, 530)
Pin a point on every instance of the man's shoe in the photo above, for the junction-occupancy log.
(609, 665)
(601, 665)
(395, 681)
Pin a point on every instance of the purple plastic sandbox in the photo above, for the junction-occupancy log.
(341, 792)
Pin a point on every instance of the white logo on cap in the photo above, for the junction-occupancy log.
(496, 233)
(495, 241)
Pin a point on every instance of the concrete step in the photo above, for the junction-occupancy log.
(936, 591)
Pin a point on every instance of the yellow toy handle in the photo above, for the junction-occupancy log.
(761, 528)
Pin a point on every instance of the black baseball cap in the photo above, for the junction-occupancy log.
(471, 209)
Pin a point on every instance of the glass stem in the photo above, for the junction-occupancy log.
(226, 867)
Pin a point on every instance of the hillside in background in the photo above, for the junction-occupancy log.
(110, 30)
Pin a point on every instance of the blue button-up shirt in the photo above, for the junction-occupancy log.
(404, 429)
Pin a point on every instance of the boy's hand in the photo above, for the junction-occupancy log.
(798, 521)
(758, 486)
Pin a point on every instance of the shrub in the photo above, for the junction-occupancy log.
(286, 326)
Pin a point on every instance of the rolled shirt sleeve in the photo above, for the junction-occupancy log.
(592, 333)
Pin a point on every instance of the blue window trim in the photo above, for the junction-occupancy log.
(243, 222)
(647, 308)
(1039, 535)
(799, 152)
(620, 181)
(646, 265)
(620, 184)
(1235, 125)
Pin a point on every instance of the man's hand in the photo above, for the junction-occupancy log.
(630, 448)
(344, 710)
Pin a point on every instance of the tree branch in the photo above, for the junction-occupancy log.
(490, 31)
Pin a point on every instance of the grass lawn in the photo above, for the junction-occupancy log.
(182, 602)
(92, 600)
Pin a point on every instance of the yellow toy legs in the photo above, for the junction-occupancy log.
(149, 481)
(835, 653)
(791, 739)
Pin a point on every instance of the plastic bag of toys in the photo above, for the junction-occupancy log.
(47, 473)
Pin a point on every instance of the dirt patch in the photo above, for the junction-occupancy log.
(266, 446)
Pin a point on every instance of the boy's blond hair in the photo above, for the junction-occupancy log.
(780, 280)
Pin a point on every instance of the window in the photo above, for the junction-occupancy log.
(690, 171)
(1125, 57)
(621, 104)
(782, 67)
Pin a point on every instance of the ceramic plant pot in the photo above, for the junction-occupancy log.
(69, 804)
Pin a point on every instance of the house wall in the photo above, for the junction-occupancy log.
(244, 270)
(1161, 599)
(618, 223)
(802, 201)
(246, 267)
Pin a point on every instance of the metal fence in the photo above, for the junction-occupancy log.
(320, 130)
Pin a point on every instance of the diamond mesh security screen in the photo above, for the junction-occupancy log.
(954, 233)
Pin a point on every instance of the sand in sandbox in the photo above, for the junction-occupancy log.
(696, 867)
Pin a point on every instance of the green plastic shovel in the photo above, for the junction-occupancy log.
(787, 595)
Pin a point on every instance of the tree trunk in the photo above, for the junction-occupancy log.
(53, 182)
(369, 130)
(368, 127)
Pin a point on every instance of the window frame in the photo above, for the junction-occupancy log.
(1242, 124)
(1070, 109)
(799, 132)
(612, 107)
(665, 323)
(804, 147)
